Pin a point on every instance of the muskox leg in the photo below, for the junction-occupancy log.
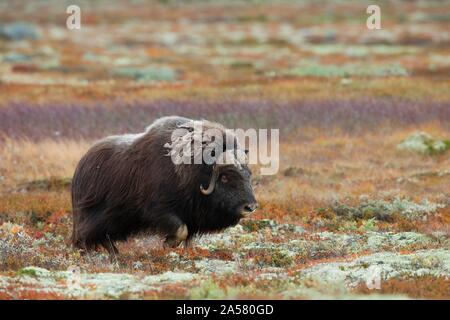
(172, 228)
(180, 235)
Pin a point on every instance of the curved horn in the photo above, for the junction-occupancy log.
(212, 183)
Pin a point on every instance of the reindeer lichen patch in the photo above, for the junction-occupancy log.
(215, 266)
(421, 142)
(170, 277)
(386, 210)
(384, 265)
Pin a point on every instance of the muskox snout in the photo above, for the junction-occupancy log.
(250, 207)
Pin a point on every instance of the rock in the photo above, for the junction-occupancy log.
(19, 31)
(423, 143)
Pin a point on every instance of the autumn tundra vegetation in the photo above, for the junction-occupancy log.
(360, 206)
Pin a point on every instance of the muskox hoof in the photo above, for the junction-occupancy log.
(175, 240)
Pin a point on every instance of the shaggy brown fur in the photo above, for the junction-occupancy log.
(127, 184)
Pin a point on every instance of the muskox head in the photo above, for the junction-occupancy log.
(216, 169)
(230, 191)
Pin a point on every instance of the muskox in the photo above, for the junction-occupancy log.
(129, 184)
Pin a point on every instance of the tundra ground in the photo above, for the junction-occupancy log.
(360, 207)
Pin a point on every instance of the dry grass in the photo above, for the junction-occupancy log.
(326, 168)
(24, 161)
(425, 287)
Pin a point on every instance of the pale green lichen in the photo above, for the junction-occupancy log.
(229, 238)
(264, 250)
(147, 74)
(385, 210)
(359, 50)
(386, 265)
(207, 266)
(169, 276)
(91, 285)
(276, 228)
(347, 70)
(423, 143)
(396, 241)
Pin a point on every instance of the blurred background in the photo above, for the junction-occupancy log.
(233, 61)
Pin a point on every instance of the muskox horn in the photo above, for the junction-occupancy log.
(212, 182)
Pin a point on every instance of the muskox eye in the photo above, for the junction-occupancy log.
(223, 178)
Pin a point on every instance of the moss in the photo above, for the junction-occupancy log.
(33, 272)
(27, 272)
